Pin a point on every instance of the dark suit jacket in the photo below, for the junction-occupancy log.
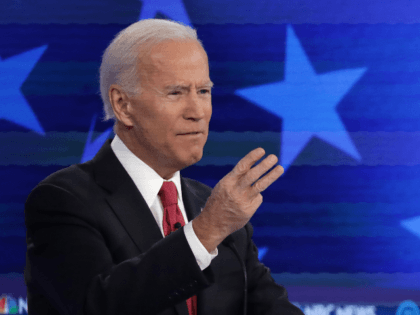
(94, 248)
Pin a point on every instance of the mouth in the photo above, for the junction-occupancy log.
(190, 133)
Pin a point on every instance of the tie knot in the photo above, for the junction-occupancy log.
(168, 194)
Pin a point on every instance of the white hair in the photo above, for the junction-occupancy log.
(120, 61)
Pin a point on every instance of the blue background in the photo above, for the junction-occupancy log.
(343, 223)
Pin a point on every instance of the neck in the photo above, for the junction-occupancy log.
(128, 138)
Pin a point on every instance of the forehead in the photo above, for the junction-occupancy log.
(176, 59)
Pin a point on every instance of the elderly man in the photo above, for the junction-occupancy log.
(124, 233)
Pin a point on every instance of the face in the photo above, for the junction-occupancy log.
(171, 115)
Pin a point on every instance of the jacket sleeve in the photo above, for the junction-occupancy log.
(69, 263)
(265, 296)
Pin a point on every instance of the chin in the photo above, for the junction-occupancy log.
(192, 159)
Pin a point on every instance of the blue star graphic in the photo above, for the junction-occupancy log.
(262, 252)
(306, 101)
(412, 225)
(174, 9)
(92, 147)
(13, 72)
(408, 307)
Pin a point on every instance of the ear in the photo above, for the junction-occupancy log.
(120, 104)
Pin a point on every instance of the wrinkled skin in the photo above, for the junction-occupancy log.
(235, 198)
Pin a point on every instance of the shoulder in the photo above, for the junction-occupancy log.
(83, 175)
(76, 175)
(75, 182)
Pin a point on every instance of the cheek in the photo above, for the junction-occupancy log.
(209, 109)
(157, 125)
(165, 131)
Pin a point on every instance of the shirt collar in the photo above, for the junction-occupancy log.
(146, 179)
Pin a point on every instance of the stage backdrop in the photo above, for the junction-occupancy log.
(331, 87)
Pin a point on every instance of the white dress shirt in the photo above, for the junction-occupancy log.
(148, 182)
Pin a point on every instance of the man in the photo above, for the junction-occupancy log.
(103, 237)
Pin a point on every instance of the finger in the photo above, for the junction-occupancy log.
(254, 173)
(247, 161)
(256, 203)
(264, 182)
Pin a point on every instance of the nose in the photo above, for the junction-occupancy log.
(195, 108)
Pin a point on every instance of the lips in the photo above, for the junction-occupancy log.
(189, 133)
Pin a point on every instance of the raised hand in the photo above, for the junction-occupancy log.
(235, 198)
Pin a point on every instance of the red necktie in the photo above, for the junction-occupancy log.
(172, 215)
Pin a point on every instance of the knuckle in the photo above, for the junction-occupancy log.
(241, 167)
(258, 186)
(248, 178)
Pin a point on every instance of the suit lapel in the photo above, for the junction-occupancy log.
(193, 202)
(130, 207)
(125, 199)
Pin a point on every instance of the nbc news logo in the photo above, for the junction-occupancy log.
(9, 305)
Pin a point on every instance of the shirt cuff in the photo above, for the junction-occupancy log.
(201, 254)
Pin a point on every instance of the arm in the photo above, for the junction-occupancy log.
(232, 203)
(68, 262)
(265, 296)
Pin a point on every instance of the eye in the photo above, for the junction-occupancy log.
(204, 91)
(177, 92)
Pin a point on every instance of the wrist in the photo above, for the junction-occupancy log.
(206, 235)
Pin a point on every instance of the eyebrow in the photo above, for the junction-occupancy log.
(186, 87)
